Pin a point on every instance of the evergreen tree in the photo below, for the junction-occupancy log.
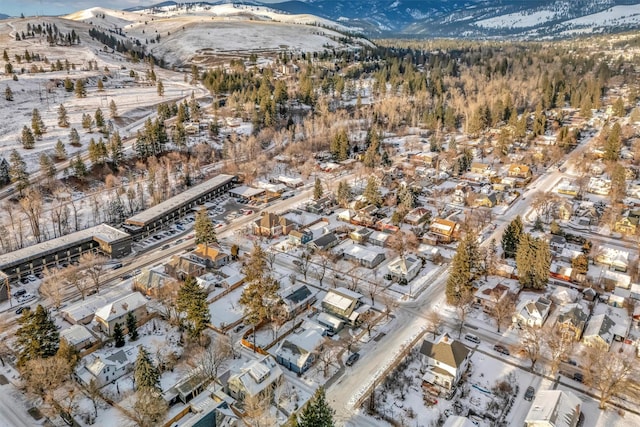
(318, 191)
(118, 335)
(204, 229)
(87, 122)
(533, 259)
(160, 88)
(18, 171)
(37, 125)
(613, 144)
(74, 137)
(372, 155)
(60, 150)
(68, 85)
(372, 191)
(318, 412)
(344, 193)
(80, 90)
(100, 85)
(37, 336)
(63, 118)
(4, 172)
(8, 94)
(99, 119)
(113, 109)
(511, 237)
(132, 326)
(192, 301)
(47, 168)
(79, 168)
(145, 374)
(618, 107)
(465, 268)
(116, 149)
(27, 139)
(340, 145)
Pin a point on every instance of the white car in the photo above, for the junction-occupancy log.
(26, 298)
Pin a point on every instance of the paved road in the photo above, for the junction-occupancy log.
(12, 412)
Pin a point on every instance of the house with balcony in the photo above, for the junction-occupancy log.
(446, 360)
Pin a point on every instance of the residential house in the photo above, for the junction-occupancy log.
(554, 408)
(563, 210)
(298, 351)
(344, 304)
(378, 238)
(519, 171)
(211, 256)
(490, 294)
(445, 231)
(557, 244)
(626, 225)
(486, 200)
(611, 280)
(150, 281)
(572, 319)
(365, 256)
(212, 407)
(405, 269)
(324, 242)
(458, 421)
(600, 329)
(78, 336)
(105, 369)
(300, 237)
(272, 225)
(255, 379)
(417, 216)
(183, 266)
(532, 312)
(360, 235)
(616, 259)
(567, 188)
(117, 311)
(297, 299)
(480, 168)
(446, 360)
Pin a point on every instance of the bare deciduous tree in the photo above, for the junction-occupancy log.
(256, 410)
(52, 286)
(463, 307)
(434, 320)
(93, 265)
(31, 205)
(211, 358)
(531, 339)
(503, 308)
(559, 343)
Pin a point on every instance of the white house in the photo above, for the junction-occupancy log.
(554, 408)
(116, 312)
(255, 378)
(78, 336)
(406, 268)
(447, 360)
(297, 351)
(108, 368)
(531, 312)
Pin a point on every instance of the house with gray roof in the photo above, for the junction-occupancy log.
(446, 360)
(255, 379)
(532, 312)
(298, 350)
(105, 369)
(572, 319)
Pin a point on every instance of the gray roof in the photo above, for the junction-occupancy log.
(447, 351)
(187, 196)
(103, 232)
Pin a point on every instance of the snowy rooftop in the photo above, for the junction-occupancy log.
(103, 232)
(554, 407)
(366, 253)
(76, 334)
(257, 375)
(122, 306)
(246, 191)
(179, 200)
(458, 421)
(89, 306)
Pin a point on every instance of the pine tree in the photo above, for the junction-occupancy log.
(372, 191)
(99, 119)
(160, 88)
(79, 168)
(37, 336)
(318, 412)
(613, 144)
(18, 171)
(118, 335)
(340, 145)
(145, 374)
(344, 193)
(80, 90)
(511, 237)
(100, 85)
(533, 260)
(192, 301)
(318, 191)
(68, 85)
(204, 229)
(63, 118)
(465, 268)
(37, 125)
(4, 172)
(8, 94)
(87, 122)
(60, 150)
(372, 155)
(74, 137)
(132, 326)
(47, 168)
(27, 139)
(113, 109)
(116, 150)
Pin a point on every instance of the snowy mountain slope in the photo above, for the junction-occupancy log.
(475, 18)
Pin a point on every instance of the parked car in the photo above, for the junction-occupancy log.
(19, 293)
(501, 349)
(238, 328)
(20, 310)
(577, 376)
(352, 359)
(472, 338)
(528, 395)
(165, 247)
